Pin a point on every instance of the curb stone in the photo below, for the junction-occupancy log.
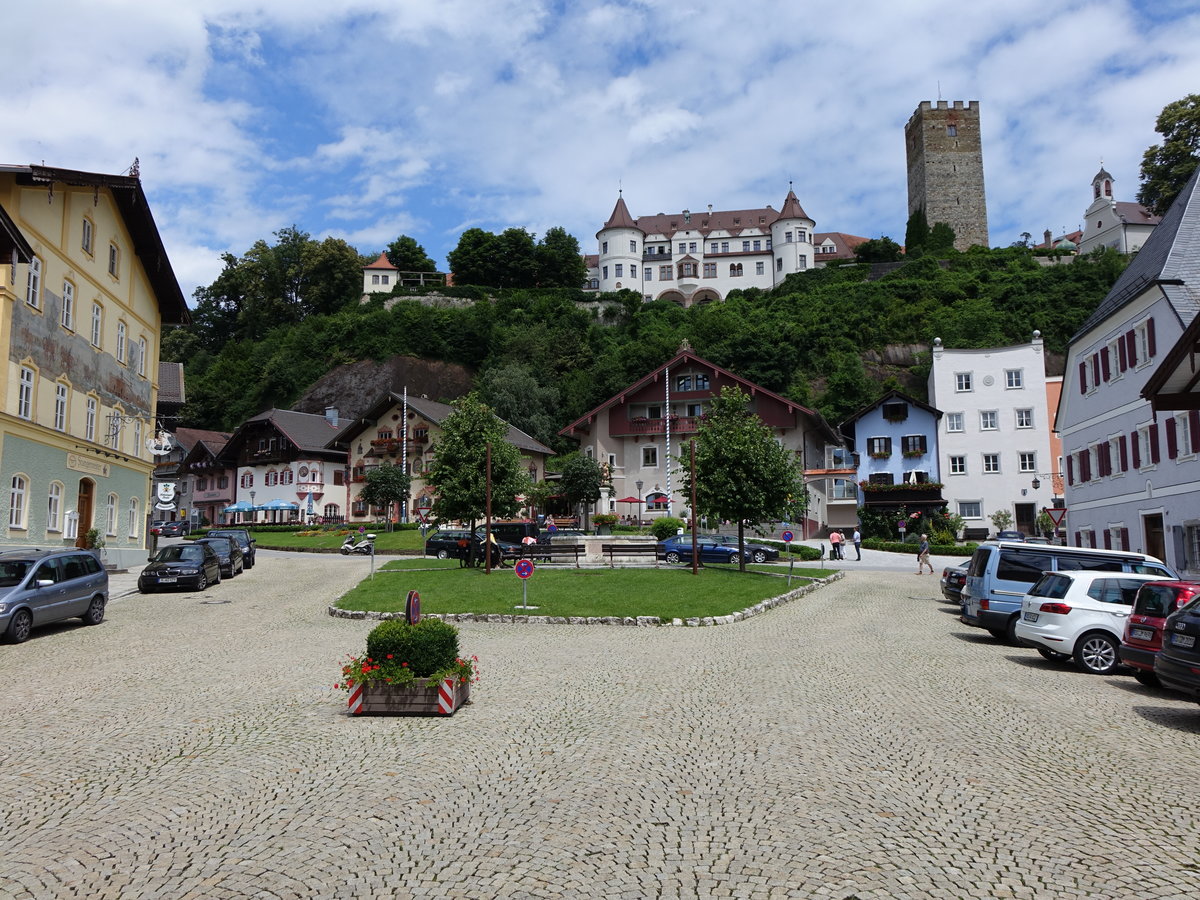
(636, 621)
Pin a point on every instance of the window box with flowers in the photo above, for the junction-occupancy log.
(881, 454)
(409, 670)
(913, 454)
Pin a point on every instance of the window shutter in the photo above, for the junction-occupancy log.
(1152, 433)
(1078, 539)
(1150, 336)
(1137, 450)
(1096, 369)
(1121, 355)
(1124, 538)
(1105, 372)
(1070, 470)
(1124, 449)
(1083, 378)
(1107, 539)
(1085, 466)
(887, 445)
(924, 444)
(1194, 429)
(1172, 440)
(1105, 459)
(1131, 348)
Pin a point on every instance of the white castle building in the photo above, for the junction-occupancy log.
(697, 257)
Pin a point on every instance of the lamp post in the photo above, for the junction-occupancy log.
(252, 516)
(638, 485)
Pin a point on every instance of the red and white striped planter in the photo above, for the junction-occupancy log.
(381, 699)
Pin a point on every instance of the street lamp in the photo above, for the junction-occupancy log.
(1037, 482)
(252, 517)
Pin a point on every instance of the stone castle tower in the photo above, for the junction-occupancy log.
(945, 169)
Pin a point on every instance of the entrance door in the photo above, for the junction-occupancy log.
(1026, 518)
(1152, 528)
(83, 505)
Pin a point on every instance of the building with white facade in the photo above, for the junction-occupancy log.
(994, 434)
(380, 277)
(1133, 467)
(698, 257)
(1109, 222)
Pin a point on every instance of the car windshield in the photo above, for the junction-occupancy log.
(221, 545)
(12, 572)
(232, 535)
(180, 553)
(1051, 586)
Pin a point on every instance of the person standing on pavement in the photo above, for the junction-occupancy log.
(923, 556)
(835, 547)
(857, 543)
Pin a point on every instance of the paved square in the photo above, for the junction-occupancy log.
(858, 742)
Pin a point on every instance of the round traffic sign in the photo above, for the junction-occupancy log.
(412, 608)
(523, 568)
(787, 536)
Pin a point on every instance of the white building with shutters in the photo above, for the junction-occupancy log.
(1133, 475)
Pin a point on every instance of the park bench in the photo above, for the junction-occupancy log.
(552, 552)
(629, 549)
(975, 534)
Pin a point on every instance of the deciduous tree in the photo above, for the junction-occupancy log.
(384, 486)
(1166, 168)
(408, 256)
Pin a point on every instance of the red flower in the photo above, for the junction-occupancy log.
(405, 665)
(389, 656)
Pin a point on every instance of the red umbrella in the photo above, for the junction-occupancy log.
(631, 500)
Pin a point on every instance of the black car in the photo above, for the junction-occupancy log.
(454, 544)
(194, 566)
(953, 579)
(1177, 664)
(229, 554)
(244, 541)
(757, 552)
(679, 549)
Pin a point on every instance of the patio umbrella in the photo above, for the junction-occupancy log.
(240, 507)
(631, 500)
(279, 504)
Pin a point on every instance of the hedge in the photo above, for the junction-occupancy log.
(939, 549)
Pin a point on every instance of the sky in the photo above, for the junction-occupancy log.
(368, 119)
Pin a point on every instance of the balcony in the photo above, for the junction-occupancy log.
(648, 256)
(929, 494)
(679, 425)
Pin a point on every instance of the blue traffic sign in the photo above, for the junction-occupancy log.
(787, 536)
(523, 568)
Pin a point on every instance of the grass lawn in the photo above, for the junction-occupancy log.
(666, 593)
(331, 540)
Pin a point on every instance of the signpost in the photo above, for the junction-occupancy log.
(1056, 514)
(524, 569)
(412, 608)
(788, 537)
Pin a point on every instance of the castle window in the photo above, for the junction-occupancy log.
(692, 247)
(951, 131)
(619, 270)
(633, 246)
(648, 275)
(724, 246)
(787, 237)
(604, 272)
(758, 245)
(759, 268)
(604, 247)
(682, 247)
(385, 279)
(664, 273)
(710, 270)
(374, 279)
(745, 246)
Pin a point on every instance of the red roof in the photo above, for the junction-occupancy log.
(382, 263)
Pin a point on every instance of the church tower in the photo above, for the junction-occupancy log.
(945, 169)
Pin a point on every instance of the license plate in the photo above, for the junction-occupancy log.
(1031, 617)
(1183, 640)
(167, 580)
(1142, 634)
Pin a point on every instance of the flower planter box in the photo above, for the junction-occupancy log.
(376, 698)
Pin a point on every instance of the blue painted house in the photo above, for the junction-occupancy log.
(895, 442)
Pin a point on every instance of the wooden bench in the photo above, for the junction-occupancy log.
(975, 534)
(551, 552)
(638, 550)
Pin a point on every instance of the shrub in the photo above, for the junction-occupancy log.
(608, 519)
(912, 547)
(428, 647)
(805, 552)
(665, 527)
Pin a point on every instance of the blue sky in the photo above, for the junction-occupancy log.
(367, 119)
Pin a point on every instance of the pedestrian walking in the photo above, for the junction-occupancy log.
(923, 556)
(835, 546)
(858, 543)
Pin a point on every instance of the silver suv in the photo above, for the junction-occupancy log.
(41, 586)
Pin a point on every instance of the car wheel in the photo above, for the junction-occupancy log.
(1149, 679)
(1052, 655)
(20, 626)
(202, 582)
(443, 554)
(217, 580)
(760, 556)
(673, 556)
(95, 611)
(998, 634)
(1096, 653)
(1010, 633)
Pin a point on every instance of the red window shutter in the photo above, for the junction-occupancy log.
(1172, 440)
(1078, 539)
(1124, 538)
(1105, 372)
(1194, 428)
(1070, 469)
(1131, 348)
(1124, 448)
(1121, 356)
(1137, 450)
(1152, 433)
(1096, 369)
(1150, 336)
(1085, 466)
(1083, 378)
(1107, 539)
(1105, 459)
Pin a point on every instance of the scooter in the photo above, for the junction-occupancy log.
(364, 545)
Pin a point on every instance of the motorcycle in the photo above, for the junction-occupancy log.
(354, 544)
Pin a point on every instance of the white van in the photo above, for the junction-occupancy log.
(1002, 572)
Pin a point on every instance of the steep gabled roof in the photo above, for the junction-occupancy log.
(1170, 259)
(688, 355)
(382, 263)
(791, 207)
(620, 217)
(433, 411)
(309, 432)
(188, 438)
(891, 395)
(171, 384)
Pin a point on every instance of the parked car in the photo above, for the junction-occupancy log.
(229, 554)
(192, 566)
(1177, 664)
(178, 528)
(244, 539)
(511, 532)
(953, 579)
(41, 586)
(1009, 536)
(561, 535)
(1001, 573)
(758, 552)
(1144, 629)
(453, 544)
(679, 549)
(1080, 614)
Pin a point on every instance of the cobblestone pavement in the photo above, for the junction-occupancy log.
(858, 742)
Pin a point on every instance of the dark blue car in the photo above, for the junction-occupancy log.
(679, 549)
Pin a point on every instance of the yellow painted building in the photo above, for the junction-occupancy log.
(85, 290)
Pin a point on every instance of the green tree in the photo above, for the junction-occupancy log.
(459, 467)
(582, 482)
(881, 249)
(474, 258)
(742, 472)
(515, 393)
(916, 233)
(384, 486)
(1166, 168)
(559, 262)
(941, 238)
(408, 256)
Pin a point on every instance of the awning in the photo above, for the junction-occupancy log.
(279, 504)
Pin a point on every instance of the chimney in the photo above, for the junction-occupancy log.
(331, 415)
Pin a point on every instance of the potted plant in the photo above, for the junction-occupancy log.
(604, 522)
(409, 670)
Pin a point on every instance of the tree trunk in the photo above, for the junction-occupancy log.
(741, 545)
